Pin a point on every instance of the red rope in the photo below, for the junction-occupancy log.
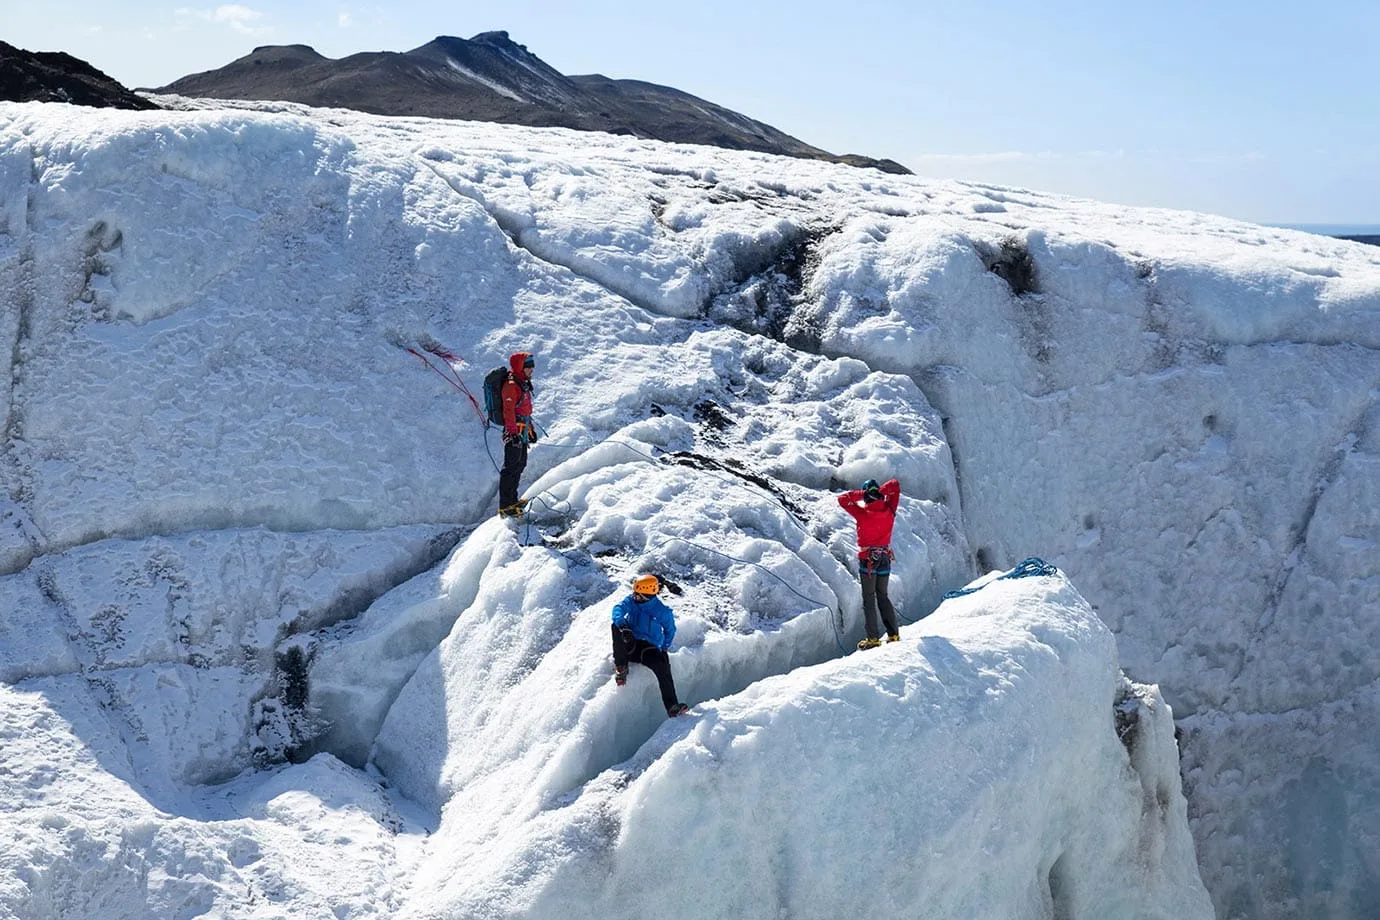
(444, 355)
(452, 378)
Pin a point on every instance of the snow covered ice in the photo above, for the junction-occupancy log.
(266, 653)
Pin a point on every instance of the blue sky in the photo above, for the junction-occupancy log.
(1263, 110)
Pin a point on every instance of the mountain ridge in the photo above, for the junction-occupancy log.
(55, 76)
(492, 78)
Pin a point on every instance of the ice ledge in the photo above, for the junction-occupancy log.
(974, 768)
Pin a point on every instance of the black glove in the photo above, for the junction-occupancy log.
(532, 434)
(511, 437)
(626, 633)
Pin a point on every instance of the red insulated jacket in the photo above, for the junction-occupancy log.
(875, 519)
(517, 397)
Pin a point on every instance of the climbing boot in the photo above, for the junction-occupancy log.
(513, 510)
(677, 710)
(620, 676)
(869, 643)
(893, 637)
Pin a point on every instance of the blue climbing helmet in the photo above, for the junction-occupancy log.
(871, 491)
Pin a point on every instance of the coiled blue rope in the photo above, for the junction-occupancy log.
(1029, 567)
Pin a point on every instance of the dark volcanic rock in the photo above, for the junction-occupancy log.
(885, 165)
(44, 76)
(492, 78)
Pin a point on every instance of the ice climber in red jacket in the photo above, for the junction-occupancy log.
(874, 508)
(518, 431)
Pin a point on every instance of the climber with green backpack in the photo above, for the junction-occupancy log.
(508, 402)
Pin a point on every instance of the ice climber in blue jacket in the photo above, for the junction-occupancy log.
(643, 628)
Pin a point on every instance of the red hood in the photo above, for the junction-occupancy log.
(516, 362)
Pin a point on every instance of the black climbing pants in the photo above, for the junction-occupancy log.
(514, 462)
(644, 653)
(874, 598)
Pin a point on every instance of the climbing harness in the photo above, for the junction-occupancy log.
(876, 560)
(1029, 567)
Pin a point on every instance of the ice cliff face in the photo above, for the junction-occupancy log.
(241, 523)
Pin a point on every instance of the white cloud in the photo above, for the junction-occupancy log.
(237, 17)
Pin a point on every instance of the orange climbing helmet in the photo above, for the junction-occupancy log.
(648, 585)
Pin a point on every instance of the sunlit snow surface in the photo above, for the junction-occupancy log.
(245, 524)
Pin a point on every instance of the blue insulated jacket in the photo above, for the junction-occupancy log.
(651, 621)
